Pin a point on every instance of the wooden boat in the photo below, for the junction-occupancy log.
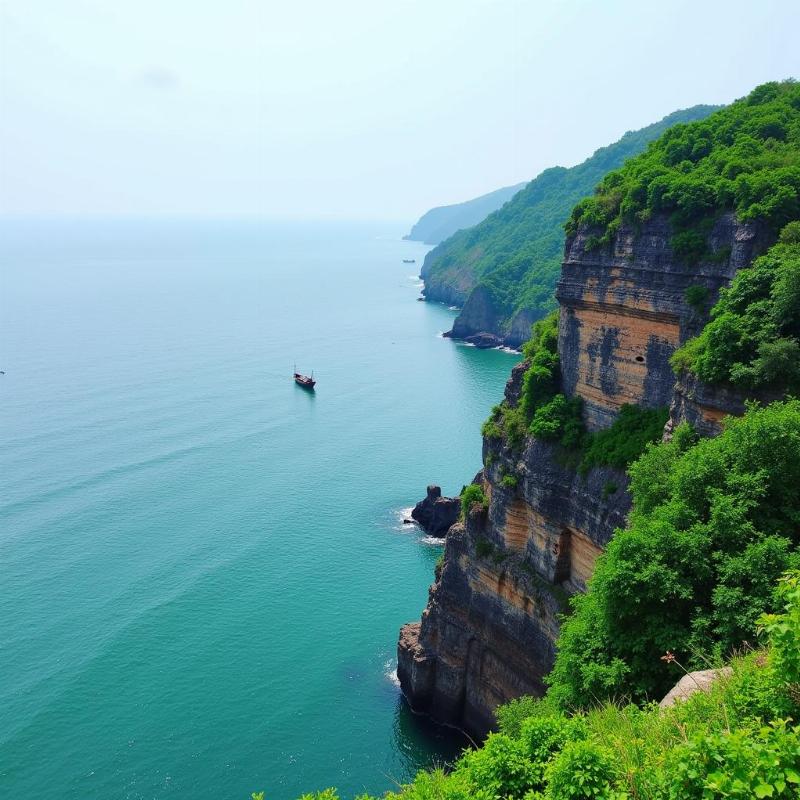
(304, 380)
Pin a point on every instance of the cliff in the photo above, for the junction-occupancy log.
(488, 632)
(439, 223)
(503, 271)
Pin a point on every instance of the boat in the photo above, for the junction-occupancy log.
(409, 260)
(307, 382)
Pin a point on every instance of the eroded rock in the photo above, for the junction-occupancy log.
(435, 514)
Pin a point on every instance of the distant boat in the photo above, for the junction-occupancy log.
(304, 380)
(409, 260)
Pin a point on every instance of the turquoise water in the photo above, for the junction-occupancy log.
(202, 566)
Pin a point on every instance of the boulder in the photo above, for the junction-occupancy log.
(435, 514)
(692, 682)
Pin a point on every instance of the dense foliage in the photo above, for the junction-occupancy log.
(740, 740)
(714, 523)
(743, 158)
(753, 338)
(472, 495)
(516, 251)
(621, 444)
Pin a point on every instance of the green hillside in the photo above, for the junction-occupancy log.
(436, 225)
(516, 251)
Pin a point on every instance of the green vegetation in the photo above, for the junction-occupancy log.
(541, 410)
(438, 567)
(515, 253)
(697, 297)
(753, 338)
(470, 496)
(509, 481)
(738, 741)
(609, 488)
(714, 523)
(743, 158)
(545, 413)
(622, 443)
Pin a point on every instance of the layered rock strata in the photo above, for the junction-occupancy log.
(488, 632)
(624, 312)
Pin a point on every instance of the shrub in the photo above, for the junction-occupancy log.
(784, 630)
(620, 445)
(512, 715)
(470, 496)
(559, 420)
(753, 338)
(713, 525)
(491, 429)
(740, 764)
(501, 767)
(790, 233)
(697, 297)
(583, 770)
(509, 481)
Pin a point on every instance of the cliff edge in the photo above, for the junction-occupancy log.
(489, 629)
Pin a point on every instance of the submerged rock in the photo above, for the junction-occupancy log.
(436, 514)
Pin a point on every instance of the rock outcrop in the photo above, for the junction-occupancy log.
(436, 514)
(482, 322)
(693, 682)
(624, 312)
(488, 632)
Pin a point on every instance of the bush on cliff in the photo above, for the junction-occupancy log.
(539, 387)
(753, 338)
(472, 495)
(743, 158)
(620, 445)
(738, 740)
(547, 414)
(712, 527)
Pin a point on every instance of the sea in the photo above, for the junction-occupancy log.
(203, 566)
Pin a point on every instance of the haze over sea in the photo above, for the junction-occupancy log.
(203, 568)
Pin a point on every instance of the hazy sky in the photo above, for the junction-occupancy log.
(347, 108)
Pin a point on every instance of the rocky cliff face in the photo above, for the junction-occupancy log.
(488, 632)
(451, 287)
(624, 312)
(480, 321)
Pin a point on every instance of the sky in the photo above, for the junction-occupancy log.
(348, 109)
